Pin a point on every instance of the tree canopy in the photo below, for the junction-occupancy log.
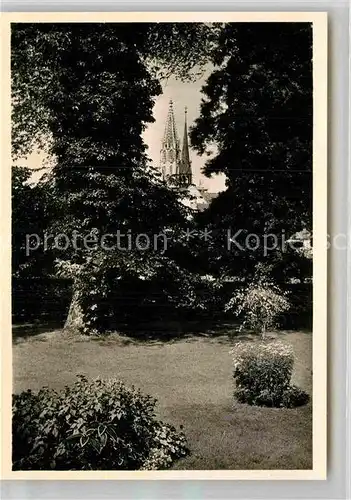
(38, 50)
(93, 90)
(257, 114)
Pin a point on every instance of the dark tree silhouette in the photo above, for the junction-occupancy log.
(256, 114)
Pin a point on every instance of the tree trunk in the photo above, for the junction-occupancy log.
(74, 320)
(263, 333)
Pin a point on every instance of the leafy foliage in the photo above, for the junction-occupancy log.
(92, 425)
(165, 289)
(180, 49)
(31, 213)
(39, 50)
(102, 176)
(262, 373)
(259, 303)
(256, 126)
(294, 396)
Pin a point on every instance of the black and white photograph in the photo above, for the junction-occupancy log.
(167, 214)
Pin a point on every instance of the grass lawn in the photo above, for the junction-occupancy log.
(192, 380)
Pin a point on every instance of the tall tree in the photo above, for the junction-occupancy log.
(96, 90)
(257, 114)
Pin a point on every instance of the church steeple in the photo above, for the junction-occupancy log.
(175, 163)
(170, 148)
(184, 167)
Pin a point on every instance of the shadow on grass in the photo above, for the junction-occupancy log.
(223, 331)
(155, 332)
(25, 330)
(149, 332)
(160, 332)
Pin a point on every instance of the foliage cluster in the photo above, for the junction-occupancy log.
(31, 213)
(262, 373)
(255, 125)
(259, 303)
(92, 425)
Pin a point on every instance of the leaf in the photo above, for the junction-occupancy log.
(74, 436)
(83, 440)
(101, 430)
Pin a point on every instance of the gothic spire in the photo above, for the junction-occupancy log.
(185, 173)
(170, 148)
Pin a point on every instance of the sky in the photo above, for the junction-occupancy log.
(183, 95)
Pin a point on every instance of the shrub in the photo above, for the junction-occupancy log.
(92, 425)
(259, 304)
(294, 396)
(262, 372)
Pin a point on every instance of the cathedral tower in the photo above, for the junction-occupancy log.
(175, 163)
(184, 165)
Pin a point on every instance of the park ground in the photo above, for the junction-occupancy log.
(192, 380)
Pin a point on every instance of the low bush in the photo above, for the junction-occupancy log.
(262, 373)
(92, 425)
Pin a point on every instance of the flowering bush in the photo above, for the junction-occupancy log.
(262, 372)
(93, 425)
(259, 304)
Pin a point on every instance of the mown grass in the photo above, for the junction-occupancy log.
(192, 380)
